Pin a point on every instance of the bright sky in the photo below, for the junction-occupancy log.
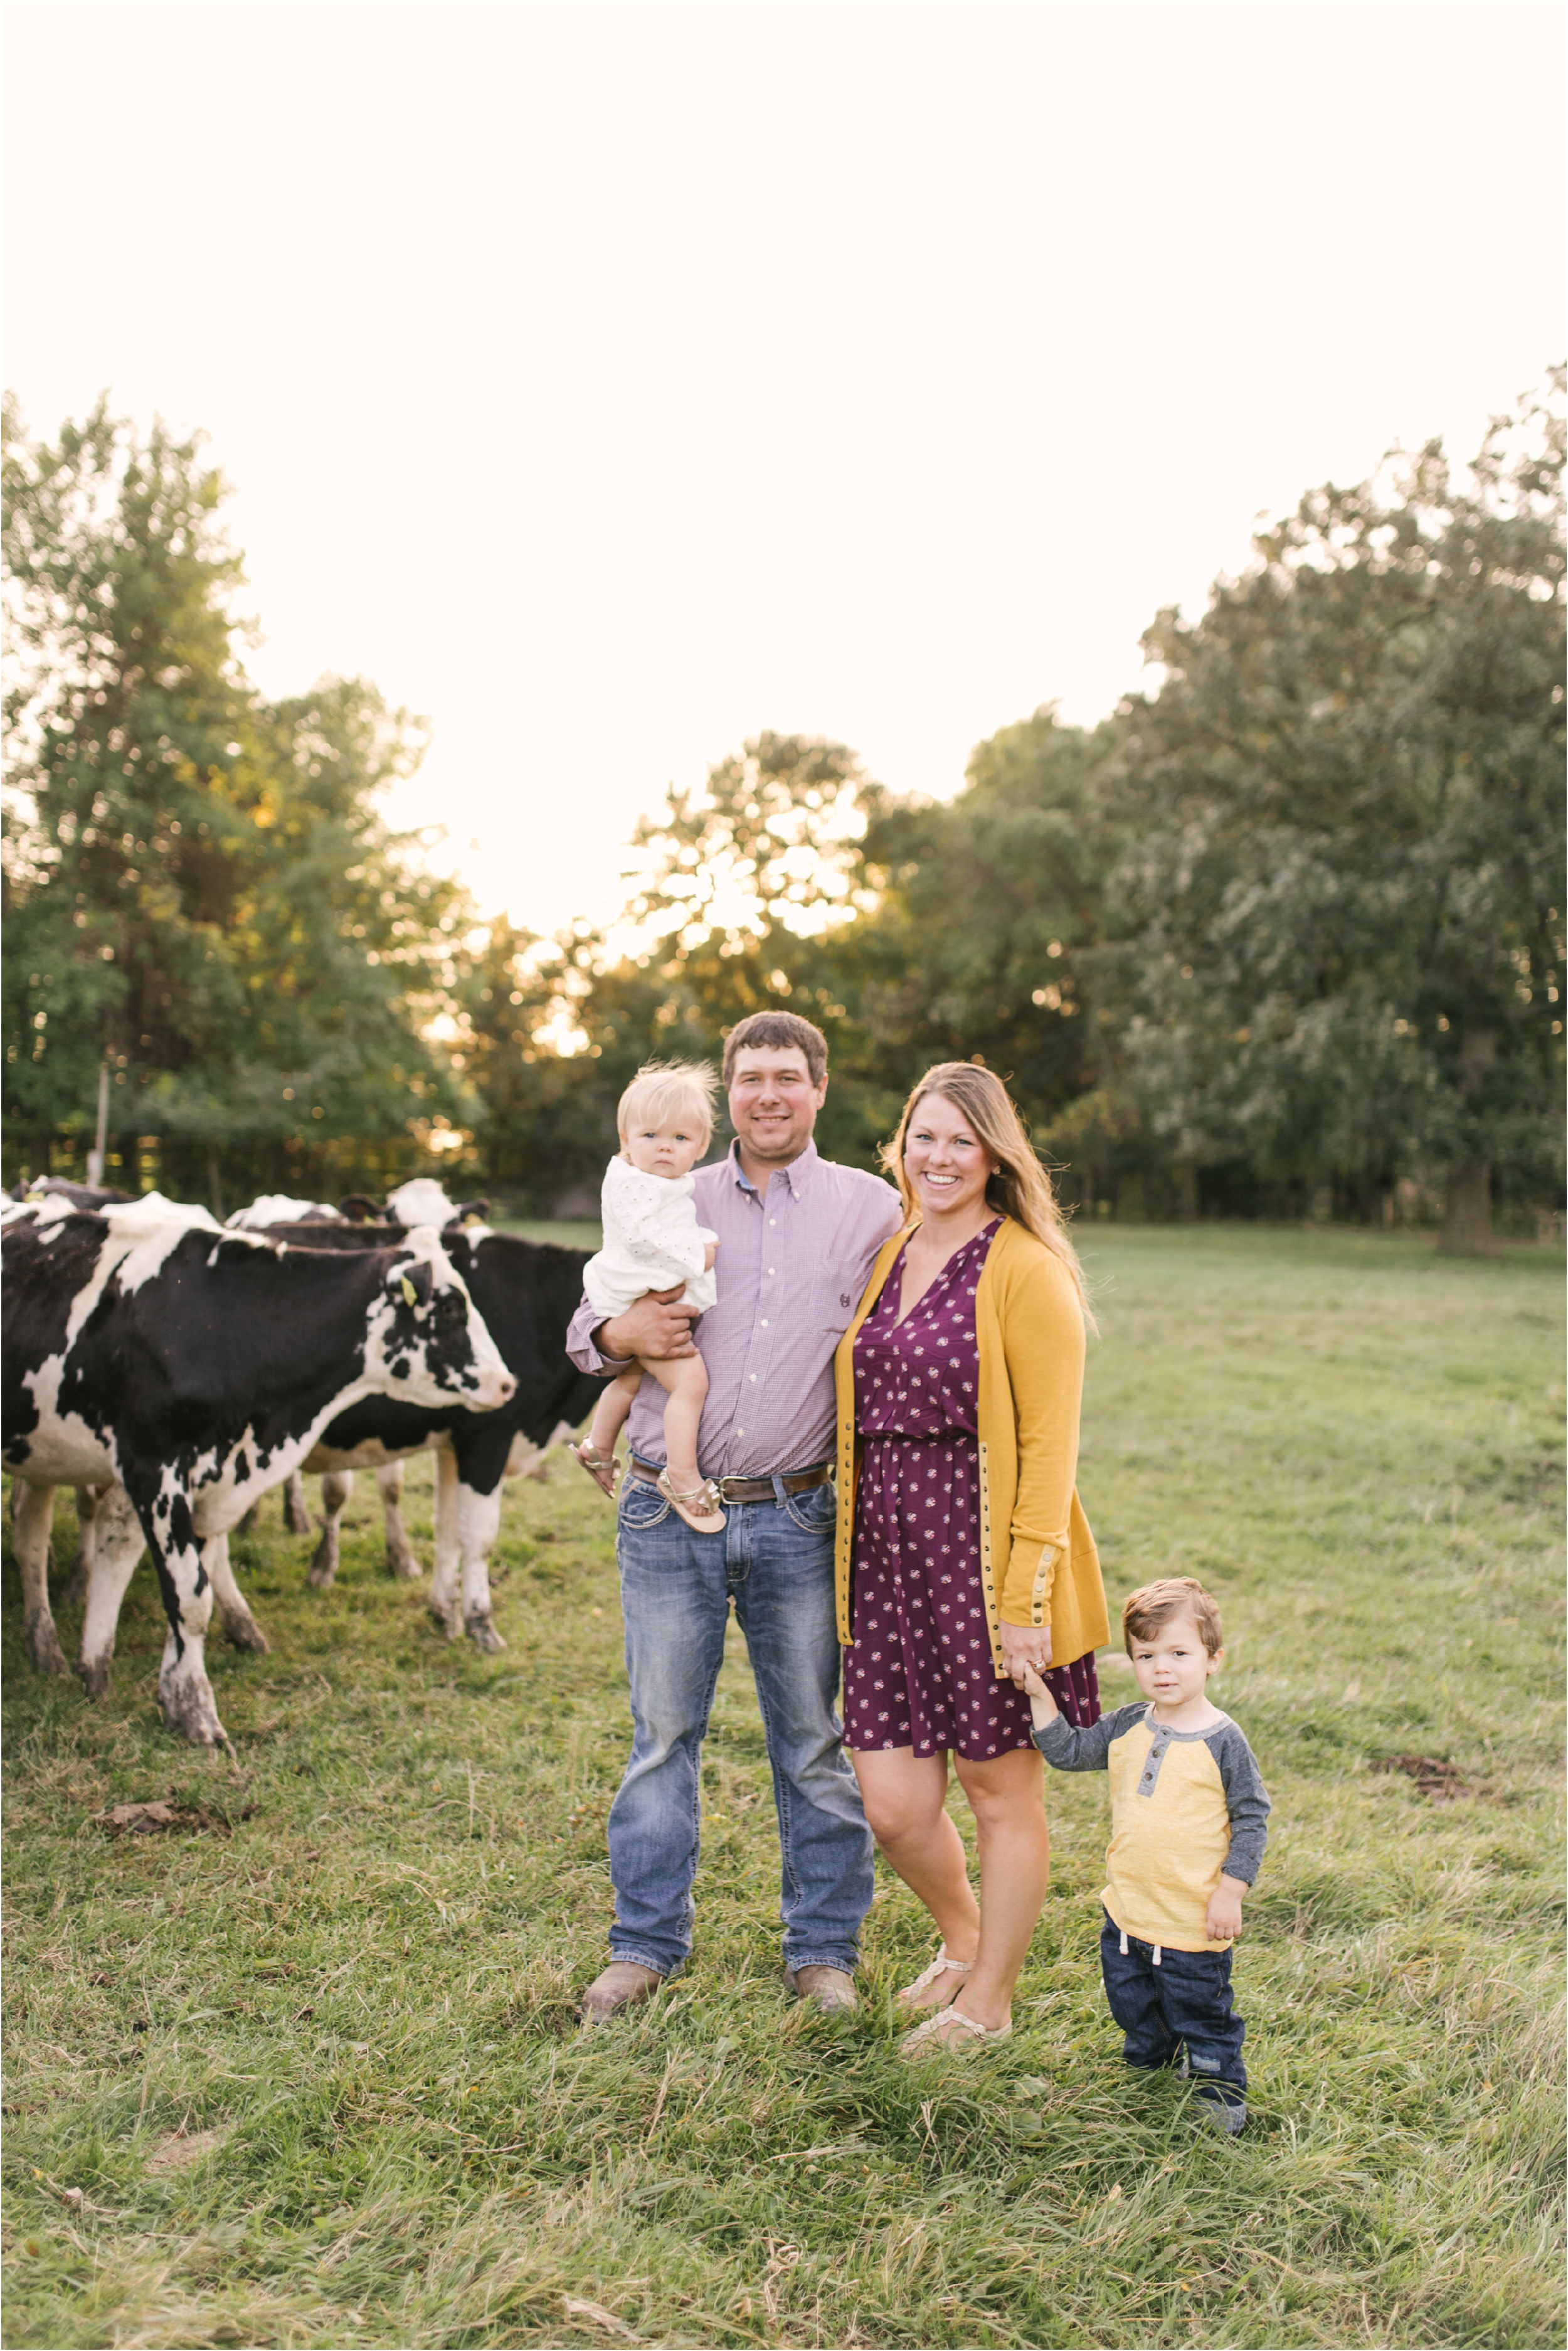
(610, 382)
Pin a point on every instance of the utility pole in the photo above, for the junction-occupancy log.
(95, 1157)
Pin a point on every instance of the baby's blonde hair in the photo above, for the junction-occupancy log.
(669, 1089)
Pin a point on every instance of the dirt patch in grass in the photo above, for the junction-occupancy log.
(182, 2147)
(164, 1814)
(1444, 1783)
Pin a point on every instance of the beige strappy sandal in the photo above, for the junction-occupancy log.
(603, 1469)
(940, 1966)
(698, 1507)
(949, 2028)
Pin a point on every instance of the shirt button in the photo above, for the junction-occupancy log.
(765, 1321)
(773, 1220)
(771, 1269)
(753, 1377)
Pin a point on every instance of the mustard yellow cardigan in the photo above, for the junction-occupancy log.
(1038, 1561)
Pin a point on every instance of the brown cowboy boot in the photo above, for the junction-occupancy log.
(624, 1983)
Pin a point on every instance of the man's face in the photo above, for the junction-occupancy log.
(773, 1103)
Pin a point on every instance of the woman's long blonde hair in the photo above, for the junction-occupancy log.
(1021, 1188)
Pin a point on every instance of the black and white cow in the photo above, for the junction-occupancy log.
(281, 1208)
(190, 1369)
(527, 1294)
(59, 1187)
(421, 1201)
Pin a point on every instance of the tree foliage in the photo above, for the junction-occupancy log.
(1340, 945)
(199, 889)
(1289, 922)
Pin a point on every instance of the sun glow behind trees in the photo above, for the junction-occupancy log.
(1283, 928)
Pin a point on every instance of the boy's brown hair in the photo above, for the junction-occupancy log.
(780, 1031)
(1154, 1605)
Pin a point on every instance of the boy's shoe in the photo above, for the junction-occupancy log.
(1212, 2107)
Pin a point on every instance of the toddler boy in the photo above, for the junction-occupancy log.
(1188, 1823)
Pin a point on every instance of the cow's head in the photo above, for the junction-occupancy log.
(428, 1343)
(361, 1209)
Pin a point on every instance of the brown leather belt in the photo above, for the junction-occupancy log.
(747, 1489)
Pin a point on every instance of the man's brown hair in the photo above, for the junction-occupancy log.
(1153, 1606)
(780, 1031)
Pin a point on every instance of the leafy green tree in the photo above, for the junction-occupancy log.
(1341, 947)
(981, 911)
(735, 890)
(199, 890)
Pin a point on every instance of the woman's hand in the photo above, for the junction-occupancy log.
(1025, 1647)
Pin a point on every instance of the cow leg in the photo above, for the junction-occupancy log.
(241, 1630)
(117, 1546)
(444, 1607)
(538, 1468)
(336, 1487)
(184, 1693)
(74, 1590)
(401, 1556)
(296, 1515)
(479, 1523)
(34, 1514)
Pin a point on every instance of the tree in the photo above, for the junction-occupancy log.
(1341, 947)
(981, 910)
(735, 890)
(199, 890)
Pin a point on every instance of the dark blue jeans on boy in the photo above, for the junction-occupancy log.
(1183, 2002)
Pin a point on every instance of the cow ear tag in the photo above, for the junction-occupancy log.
(410, 1295)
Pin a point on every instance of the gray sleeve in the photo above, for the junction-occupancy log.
(1066, 1749)
(1246, 1800)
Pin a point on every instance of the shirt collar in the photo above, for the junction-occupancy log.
(795, 1174)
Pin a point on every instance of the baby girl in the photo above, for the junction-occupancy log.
(652, 1241)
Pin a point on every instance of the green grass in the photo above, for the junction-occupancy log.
(563, 1235)
(365, 1990)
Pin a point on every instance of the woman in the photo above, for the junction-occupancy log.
(966, 1557)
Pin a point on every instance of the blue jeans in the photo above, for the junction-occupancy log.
(1185, 2002)
(776, 1561)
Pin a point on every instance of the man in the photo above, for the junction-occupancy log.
(797, 1235)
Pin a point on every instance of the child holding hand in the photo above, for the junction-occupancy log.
(1189, 1821)
(652, 1241)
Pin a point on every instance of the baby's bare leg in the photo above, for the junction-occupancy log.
(684, 1382)
(609, 1413)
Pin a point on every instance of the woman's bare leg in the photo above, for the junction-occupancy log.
(611, 1413)
(1006, 1793)
(905, 1796)
(685, 1383)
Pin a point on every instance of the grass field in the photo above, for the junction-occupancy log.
(312, 2071)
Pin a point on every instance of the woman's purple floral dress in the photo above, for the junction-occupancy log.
(918, 1672)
